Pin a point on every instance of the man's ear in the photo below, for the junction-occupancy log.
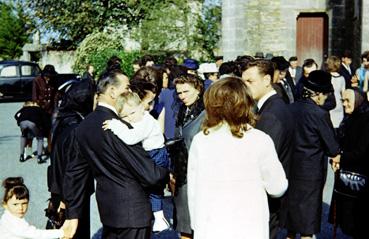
(267, 80)
(112, 92)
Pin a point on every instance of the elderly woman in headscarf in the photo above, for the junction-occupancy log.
(349, 207)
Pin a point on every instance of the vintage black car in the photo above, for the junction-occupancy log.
(16, 80)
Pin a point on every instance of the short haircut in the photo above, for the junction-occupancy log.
(228, 100)
(14, 186)
(293, 58)
(130, 98)
(229, 67)
(265, 67)
(193, 80)
(365, 55)
(309, 62)
(145, 59)
(147, 78)
(347, 54)
(333, 64)
(107, 79)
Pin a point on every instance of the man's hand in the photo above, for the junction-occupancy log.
(69, 227)
(336, 162)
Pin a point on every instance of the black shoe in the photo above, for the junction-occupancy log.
(21, 158)
(28, 157)
(40, 160)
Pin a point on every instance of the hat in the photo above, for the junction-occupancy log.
(191, 64)
(259, 54)
(319, 81)
(280, 62)
(208, 68)
(49, 70)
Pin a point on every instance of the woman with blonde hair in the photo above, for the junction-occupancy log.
(231, 168)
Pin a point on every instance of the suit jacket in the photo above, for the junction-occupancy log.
(347, 75)
(298, 74)
(276, 120)
(123, 174)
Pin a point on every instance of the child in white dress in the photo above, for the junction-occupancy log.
(147, 130)
(12, 222)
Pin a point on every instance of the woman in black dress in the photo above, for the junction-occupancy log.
(349, 210)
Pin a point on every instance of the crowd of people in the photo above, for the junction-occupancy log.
(243, 146)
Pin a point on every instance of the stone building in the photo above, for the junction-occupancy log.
(308, 29)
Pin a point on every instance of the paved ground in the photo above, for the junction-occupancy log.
(35, 178)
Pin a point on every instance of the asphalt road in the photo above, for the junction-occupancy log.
(35, 176)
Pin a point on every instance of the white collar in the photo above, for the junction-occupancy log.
(108, 106)
(265, 97)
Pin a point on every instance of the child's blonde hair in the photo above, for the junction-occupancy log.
(129, 98)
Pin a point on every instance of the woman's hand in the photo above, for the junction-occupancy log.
(335, 162)
(106, 125)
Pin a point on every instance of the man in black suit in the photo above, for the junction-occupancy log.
(346, 69)
(123, 173)
(275, 119)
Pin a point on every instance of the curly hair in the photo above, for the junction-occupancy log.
(228, 100)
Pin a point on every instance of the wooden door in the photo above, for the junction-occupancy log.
(312, 37)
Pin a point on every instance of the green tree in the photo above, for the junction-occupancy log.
(14, 31)
(209, 31)
(75, 19)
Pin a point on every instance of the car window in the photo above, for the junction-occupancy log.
(29, 70)
(8, 71)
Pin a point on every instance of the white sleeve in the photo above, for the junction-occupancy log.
(272, 172)
(192, 177)
(25, 230)
(139, 132)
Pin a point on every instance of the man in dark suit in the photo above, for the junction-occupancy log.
(274, 119)
(123, 173)
(282, 80)
(294, 69)
(346, 69)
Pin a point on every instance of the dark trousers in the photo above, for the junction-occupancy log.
(273, 225)
(126, 233)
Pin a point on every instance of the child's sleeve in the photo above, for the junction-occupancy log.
(139, 132)
(25, 230)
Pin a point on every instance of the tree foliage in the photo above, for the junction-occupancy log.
(98, 47)
(14, 31)
(75, 19)
(209, 31)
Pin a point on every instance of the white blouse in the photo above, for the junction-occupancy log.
(228, 182)
(12, 227)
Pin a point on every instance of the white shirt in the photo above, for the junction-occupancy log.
(292, 71)
(228, 181)
(147, 130)
(265, 97)
(337, 114)
(12, 227)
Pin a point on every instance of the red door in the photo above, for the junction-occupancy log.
(312, 36)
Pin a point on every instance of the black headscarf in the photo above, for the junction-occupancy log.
(361, 105)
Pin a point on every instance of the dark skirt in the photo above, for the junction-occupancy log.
(182, 221)
(304, 202)
(350, 214)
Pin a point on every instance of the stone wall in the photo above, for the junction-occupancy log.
(270, 26)
(62, 60)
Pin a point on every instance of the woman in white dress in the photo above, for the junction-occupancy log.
(231, 168)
